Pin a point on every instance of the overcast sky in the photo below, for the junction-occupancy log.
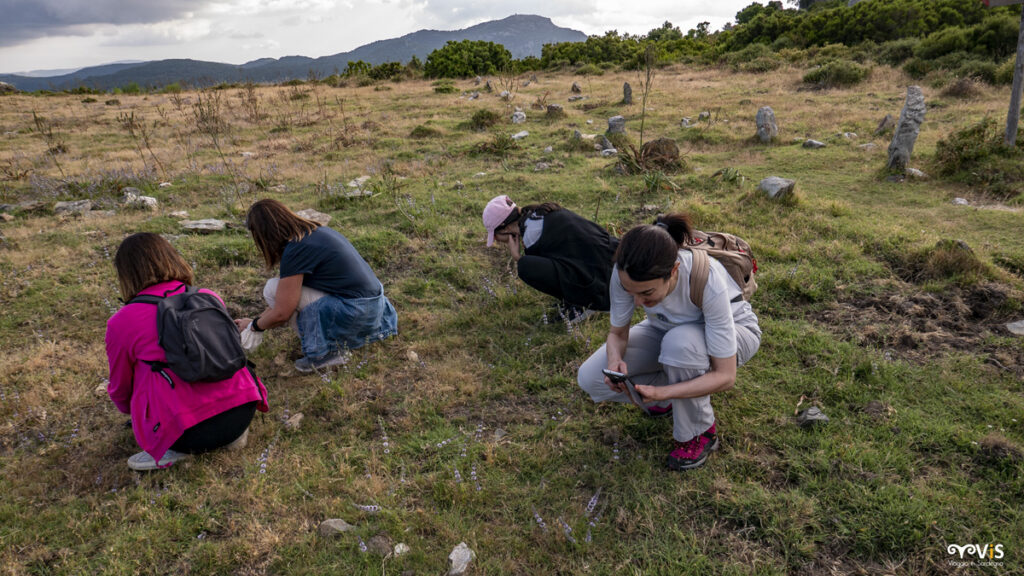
(59, 34)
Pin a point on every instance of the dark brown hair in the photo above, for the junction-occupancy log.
(273, 226)
(534, 210)
(145, 259)
(649, 251)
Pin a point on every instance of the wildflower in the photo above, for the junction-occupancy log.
(593, 503)
(567, 530)
(540, 521)
(458, 477)
(371, 508)
(362, 545)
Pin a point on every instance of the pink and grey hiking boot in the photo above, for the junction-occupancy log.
(694, 452)
(659, 411)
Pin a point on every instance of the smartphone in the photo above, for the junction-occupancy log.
(620, 378)
(615, 376)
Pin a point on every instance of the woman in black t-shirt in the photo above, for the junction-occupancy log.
(326, 290)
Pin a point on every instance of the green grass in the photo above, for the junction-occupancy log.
(868, 309)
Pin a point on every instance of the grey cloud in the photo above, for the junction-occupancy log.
(459, 13)
(25, 20)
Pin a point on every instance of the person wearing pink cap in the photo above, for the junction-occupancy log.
(564, 255)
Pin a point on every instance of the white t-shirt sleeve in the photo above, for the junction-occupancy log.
(621, 312)
(533, 228)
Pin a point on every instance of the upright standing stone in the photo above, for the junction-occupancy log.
(627, 93)
(576, 88)
(907, 129)
(767, 129)
(616, 125)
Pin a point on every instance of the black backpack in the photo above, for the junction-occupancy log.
(198, 336)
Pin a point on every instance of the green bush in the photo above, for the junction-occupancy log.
(836, 74)
(760, 65)
(978, 156)
(422, 131)
(174, 88)
(896, 52)
(467, 58)
(483, 119)
(979, 69)
(1004, 72)
(941, 43)
(589, 70)
(445, 88)
(918, 68)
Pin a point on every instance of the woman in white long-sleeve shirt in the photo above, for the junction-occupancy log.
(682, 353)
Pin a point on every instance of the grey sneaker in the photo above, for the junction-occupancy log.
(306, 365)
(143, 461)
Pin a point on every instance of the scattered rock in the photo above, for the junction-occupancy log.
(518, 117)
(459, 559)
(885, 125)
(848, 135)
(520, 135)
(473, 95)
(575, 89)
(533, 78)
(458, 185)
(180, 215)
(6, 217)
(814, 144)
(549, 150)
(400, 549)
(627, 93)
(907, 129)
(960, 202)
(877, 410)
(916, 174)
(480, 174)
(868, 146)
(499, 434)
(488, 88)
(1016, 327)
(811, 417)
(505, 95)
(575, 98)
(609, 152)
(379, 545)
(334, 526)
(704, 116)
(590, 121)
(133, 198)
(165, 185)
(541, 166)
(616, 125)
(358, 182)
(767, 128)
(100, 391)
(93, 214)
(603, 142)
(318, 217)
(294, 422)
(412, 356)
(776, 187)
(76, 207)
(686, 123)
(649, 208)
(554, 112)
(207, 225)
(477, 81)
(248, 155)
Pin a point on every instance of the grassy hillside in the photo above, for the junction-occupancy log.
(469, 426)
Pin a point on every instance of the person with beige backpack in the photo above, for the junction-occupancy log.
(694, 287)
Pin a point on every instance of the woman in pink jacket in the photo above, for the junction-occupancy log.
(171, 419)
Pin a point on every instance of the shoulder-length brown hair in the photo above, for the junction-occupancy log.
(273, 226)
(145, 259)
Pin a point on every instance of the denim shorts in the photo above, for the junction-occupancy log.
(335, 324)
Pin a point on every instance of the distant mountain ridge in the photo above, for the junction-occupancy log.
(522, 36)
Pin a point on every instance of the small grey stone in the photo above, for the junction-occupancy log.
(575, 98)
(295, 422)
(520, 135)
(776, 187)
(133, 199)
(686, 123)
(505, 95)
(499, 433)
(609, 152)
(916, 174)
(459, 559)
(604, 142)
(577, 135)
(474, 95)
(575, 89)
(180, 215)
(813, 416)
(379, 545)
(459, 185)
(548, 150)
(334, 526)
(518, 117)
(960, 202)
(477, 81)
(813, 144)
(401, 548)
(487, 87)
(92, 214)
(76, 207)
(848, 135)
(868, 146)
(166, 185)
(1016, 327)
(318, 217)
(207, 225)
(358, 182)
(616, 125)
(541, 166)
(704, 116)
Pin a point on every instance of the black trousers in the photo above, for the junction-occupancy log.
(217, 431)
(540, 274)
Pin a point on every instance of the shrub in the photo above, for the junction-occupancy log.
(941, 43)
(918, 68)
(422, 131)
(483, 119)
(978, 157)
(978, 69)
(445, 88)
(838, 73)
(88, 100)
(964, 88)
(1004, 72)
(174, 88)
(589, 70)
(896, 52)
(760, 65)
(467, 58)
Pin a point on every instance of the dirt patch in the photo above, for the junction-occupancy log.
(920, 326)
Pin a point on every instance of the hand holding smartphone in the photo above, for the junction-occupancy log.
(624, 382)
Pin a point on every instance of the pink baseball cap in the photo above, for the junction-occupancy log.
(495, 214)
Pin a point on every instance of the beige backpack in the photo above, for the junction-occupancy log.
(734, 254)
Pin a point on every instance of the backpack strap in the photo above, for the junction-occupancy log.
(699, 276)
(145, 299)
